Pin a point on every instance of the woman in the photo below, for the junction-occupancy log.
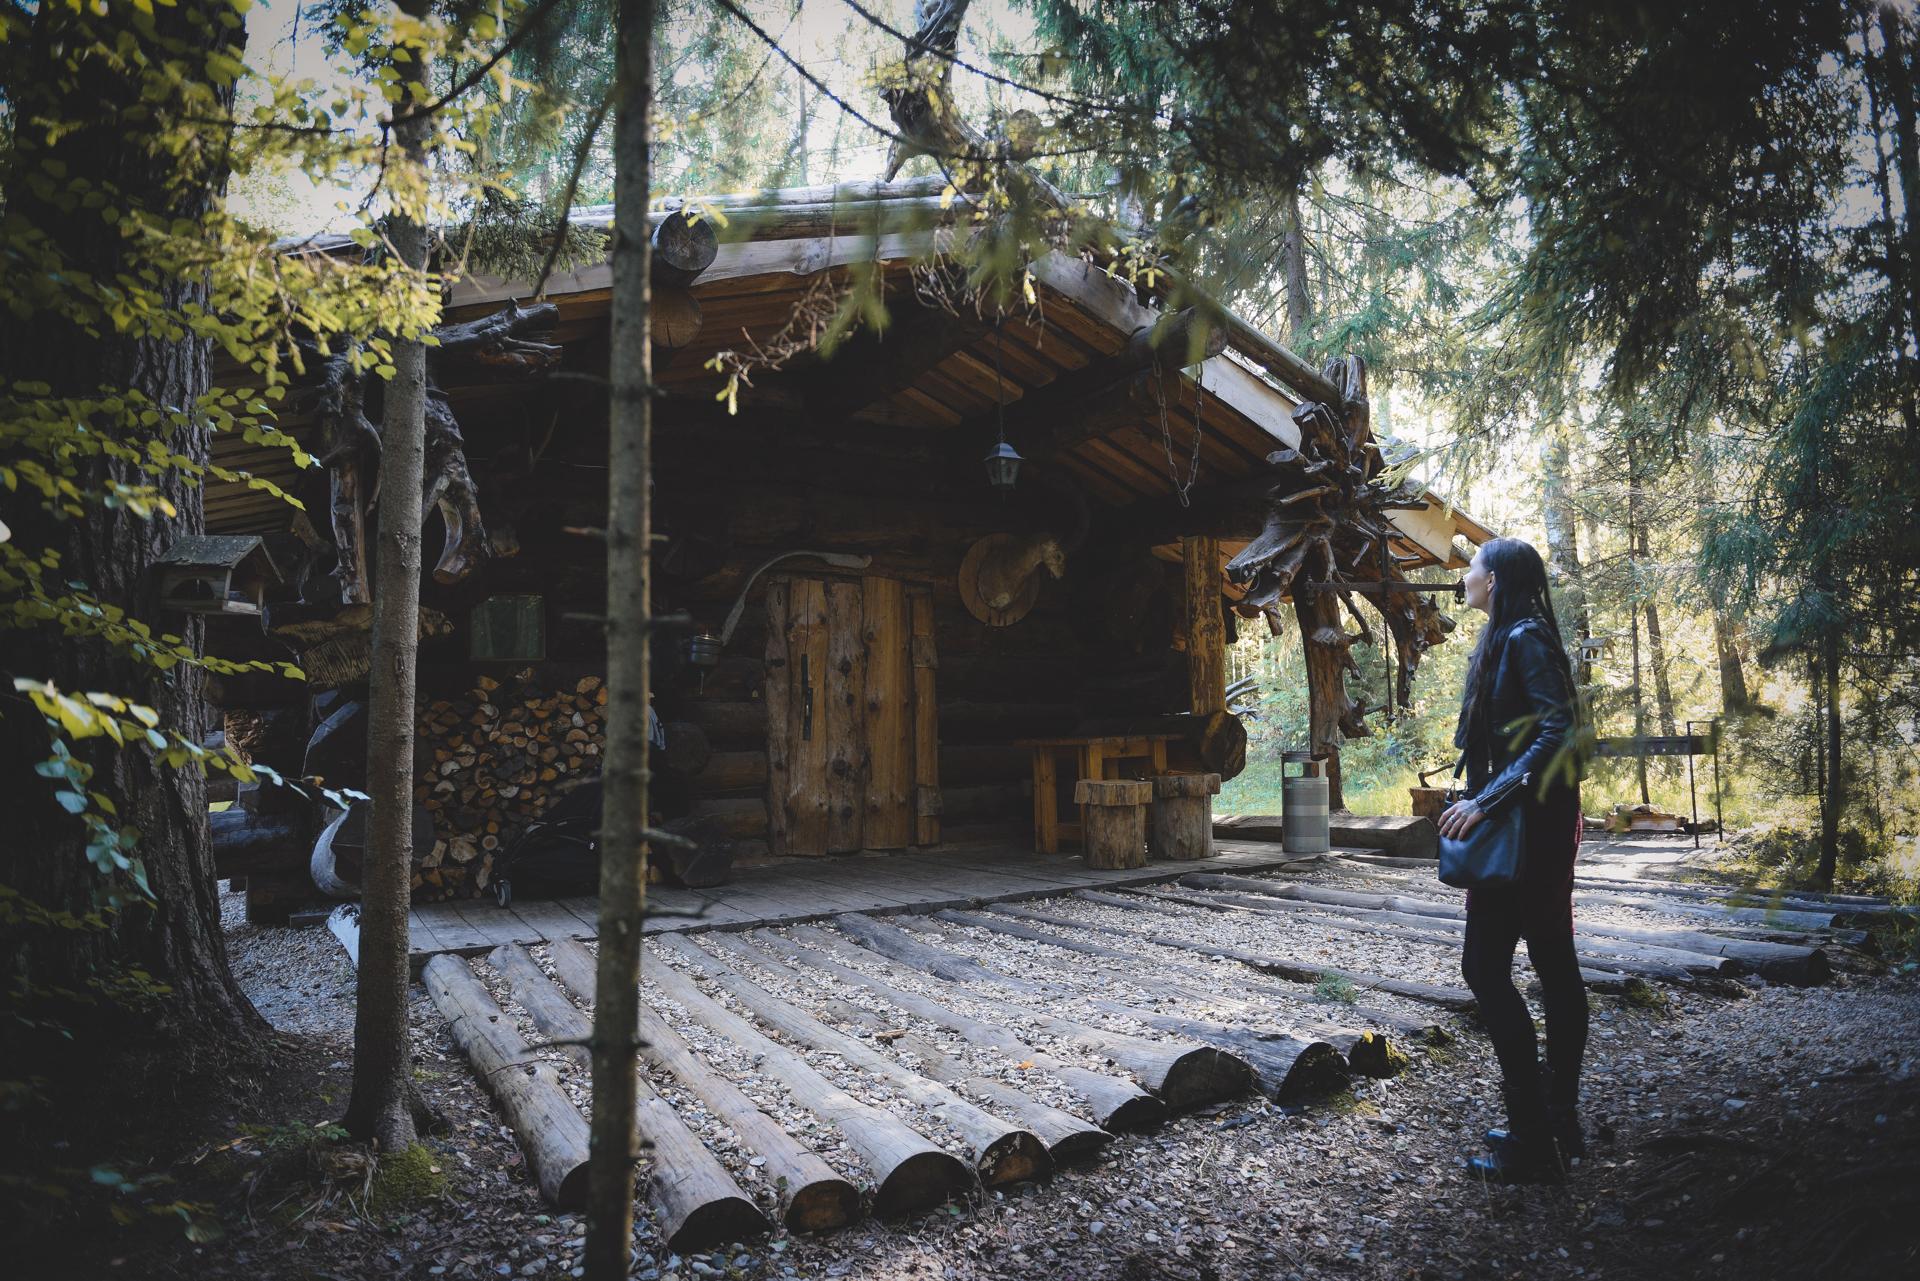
(1516, 717)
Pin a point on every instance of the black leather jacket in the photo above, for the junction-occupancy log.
(1515, 736)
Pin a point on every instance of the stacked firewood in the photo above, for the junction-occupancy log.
(488, 763)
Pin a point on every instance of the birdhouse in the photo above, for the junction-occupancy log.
(217, 574)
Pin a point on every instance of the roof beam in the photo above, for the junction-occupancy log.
(869, 367)
(1080, 405)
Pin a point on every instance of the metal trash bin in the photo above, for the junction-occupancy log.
(1305, 817)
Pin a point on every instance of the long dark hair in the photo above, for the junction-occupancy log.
(1519, 593)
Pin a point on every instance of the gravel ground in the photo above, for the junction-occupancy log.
(1790, 1093)
(300, 980)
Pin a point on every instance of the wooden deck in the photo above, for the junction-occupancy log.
(947, 876)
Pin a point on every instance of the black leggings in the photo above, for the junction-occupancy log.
(1541, 912)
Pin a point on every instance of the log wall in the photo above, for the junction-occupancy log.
(990, 685)
(730, 495)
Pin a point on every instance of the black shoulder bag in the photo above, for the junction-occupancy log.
(1493, 853)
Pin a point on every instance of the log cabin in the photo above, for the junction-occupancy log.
(872, 609)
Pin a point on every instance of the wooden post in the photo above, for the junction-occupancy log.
(808, 635)
(1206, 627)
(1046, 802)
(926, 722)
(1330, 712)
(843, 711)
(889, 729)
(779, 740)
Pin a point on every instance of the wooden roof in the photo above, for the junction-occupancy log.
(1082, 315)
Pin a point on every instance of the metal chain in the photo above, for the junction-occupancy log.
(1181, 490)
(999, 386)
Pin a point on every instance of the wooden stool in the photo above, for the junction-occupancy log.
(1116, 823)
(1057, 760)
(1181, 824)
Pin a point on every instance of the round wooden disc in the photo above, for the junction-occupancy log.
(1017, 608)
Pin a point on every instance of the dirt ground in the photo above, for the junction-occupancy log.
(1771, 1134)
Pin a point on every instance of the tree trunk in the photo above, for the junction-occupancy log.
(1657, 650)
(1897, 63)
(1159, 930)
(1329, 709)
(1833, 794)
(911, 1172)
(381, 1108)
(1639, 705)
(1293, 259)
(1734, 699)
(1637, 559)
(629, 517)
(811, 1196)
(1563, 542)
(175, 939)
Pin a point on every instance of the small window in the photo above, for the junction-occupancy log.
(508, 629)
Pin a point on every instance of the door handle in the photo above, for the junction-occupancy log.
(806, 699)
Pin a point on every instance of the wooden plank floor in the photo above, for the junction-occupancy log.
(809, 889)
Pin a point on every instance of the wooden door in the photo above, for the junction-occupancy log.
(852, 741)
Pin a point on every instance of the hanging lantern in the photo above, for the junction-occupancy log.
(1003, 460)
(1003, 468)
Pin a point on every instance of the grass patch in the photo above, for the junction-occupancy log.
(1896, 939)
(1642, 995)
(1346, 1103)
(1332, 987)
(1439, 1045)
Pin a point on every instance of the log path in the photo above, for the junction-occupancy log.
(795, 891)
(887, 1047)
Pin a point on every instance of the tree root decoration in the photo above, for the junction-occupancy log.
(1327, 525)
(449, 487)
(349, 445)
(507, 346)
(920, 102)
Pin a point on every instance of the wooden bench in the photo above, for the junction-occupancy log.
(1098, 757)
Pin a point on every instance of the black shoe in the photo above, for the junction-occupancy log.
(1512, 1160)
(1566, 1137)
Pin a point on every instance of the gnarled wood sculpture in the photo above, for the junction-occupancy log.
(921, 105)
(1326, 524)
(503, 347)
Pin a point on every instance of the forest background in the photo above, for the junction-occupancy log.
(1642, 289)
